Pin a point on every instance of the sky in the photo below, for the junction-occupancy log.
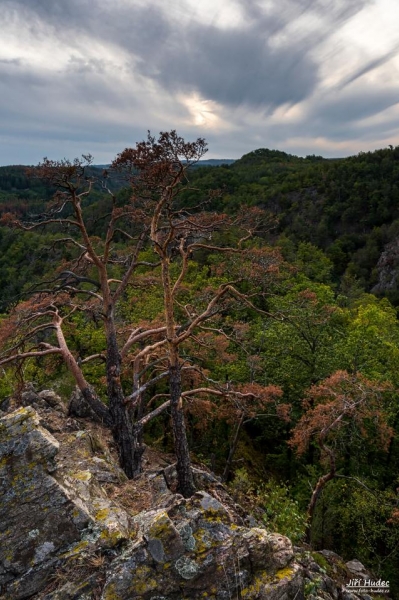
(302, 76)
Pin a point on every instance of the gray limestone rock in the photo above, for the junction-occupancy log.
(45, 512)
(194, 548)
(388, 269)
(38, 518)
(62, 538)
(358, 569)
(53, 400)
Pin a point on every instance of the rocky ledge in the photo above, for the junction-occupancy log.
(64, 538)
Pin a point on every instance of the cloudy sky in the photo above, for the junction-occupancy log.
(303, 76)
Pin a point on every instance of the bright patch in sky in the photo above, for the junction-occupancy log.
(218, 13)
(203, 113)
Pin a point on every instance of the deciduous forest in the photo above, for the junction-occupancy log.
(243, 316)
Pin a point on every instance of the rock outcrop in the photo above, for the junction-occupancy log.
(63, 538)
(388, 269)
(194, 550)
(46, 511)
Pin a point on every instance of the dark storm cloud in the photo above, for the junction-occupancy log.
(238, 65)
(234, 68)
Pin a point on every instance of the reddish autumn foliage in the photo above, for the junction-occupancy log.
(338, 400)
(340, 410)
(394, 520)
(160, 162)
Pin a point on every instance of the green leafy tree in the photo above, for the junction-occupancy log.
(371, 341)
(299, 346)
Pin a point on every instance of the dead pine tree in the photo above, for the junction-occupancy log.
(158, 171)
(137, 356)
(52, 304)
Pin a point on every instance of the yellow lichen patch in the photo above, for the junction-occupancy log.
(203, 541)
(160, 526)
(76, 549)
(264, 578)
(253, 589)
(81, 475)
(102, 514)
(212, 516)
(110, 593)
(143, 582)
(111, 536)
(284, 573)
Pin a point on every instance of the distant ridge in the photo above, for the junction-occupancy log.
(215, 162)
(211, 162)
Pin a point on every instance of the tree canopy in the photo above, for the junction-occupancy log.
(229, 313)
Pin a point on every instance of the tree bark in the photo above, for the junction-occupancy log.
(98, 408)
(183, 464)
(138, 449)
(128, 445)
(92, 407)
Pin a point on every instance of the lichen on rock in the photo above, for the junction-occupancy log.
(44, 510)
(63, 538)
(193, 547)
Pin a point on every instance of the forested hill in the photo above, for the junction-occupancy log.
(349, 208)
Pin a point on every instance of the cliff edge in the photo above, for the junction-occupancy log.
(73, 528)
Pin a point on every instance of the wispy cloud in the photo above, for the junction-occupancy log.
(370, 66)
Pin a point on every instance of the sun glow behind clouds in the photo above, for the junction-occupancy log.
(203, 113)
